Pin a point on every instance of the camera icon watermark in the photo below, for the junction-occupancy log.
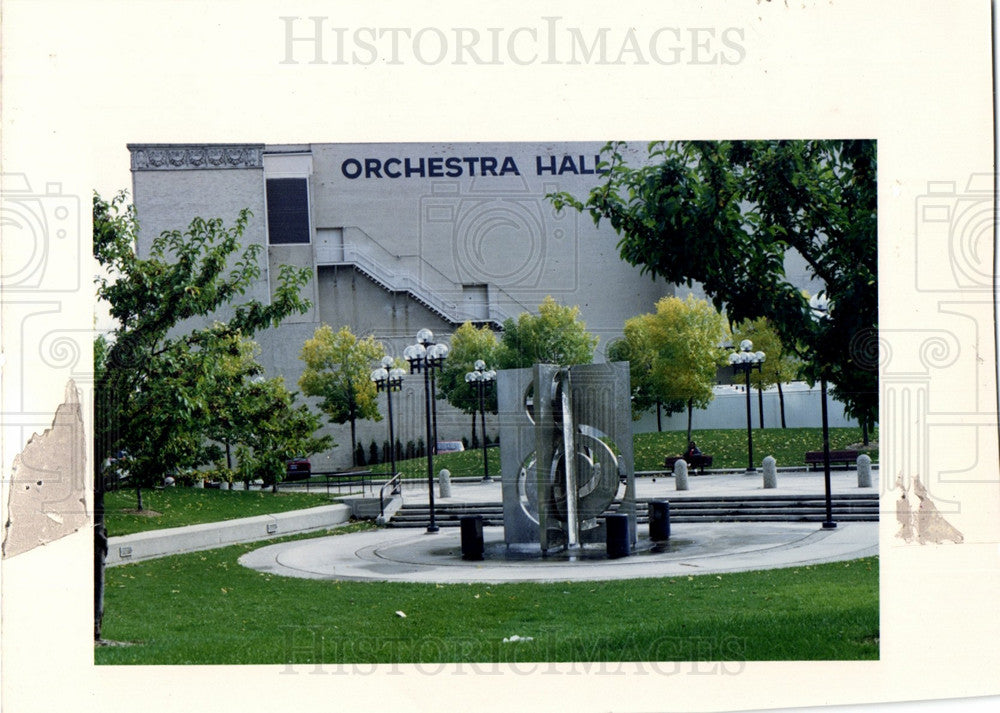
(41, 232)
(512, 240)
(955, 236)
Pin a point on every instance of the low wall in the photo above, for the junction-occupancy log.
(728, 410)
(175, 540)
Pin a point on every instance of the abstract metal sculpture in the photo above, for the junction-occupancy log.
(546, 412)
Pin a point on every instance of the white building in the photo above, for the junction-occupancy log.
(400, 237)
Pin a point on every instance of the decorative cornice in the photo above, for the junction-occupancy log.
(185, 157)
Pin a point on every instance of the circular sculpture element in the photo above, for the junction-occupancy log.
(597, 480)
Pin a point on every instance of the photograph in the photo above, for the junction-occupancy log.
(637, 357)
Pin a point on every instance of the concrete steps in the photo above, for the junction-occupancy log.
(849, 507)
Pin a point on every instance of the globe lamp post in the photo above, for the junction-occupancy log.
(481, 378)
(744, 361)
(426, 356)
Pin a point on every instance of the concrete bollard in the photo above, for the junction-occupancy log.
(770, 472)
(864, 471)
(444, 483)
(681, 474)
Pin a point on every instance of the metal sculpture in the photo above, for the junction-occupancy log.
(547, 412)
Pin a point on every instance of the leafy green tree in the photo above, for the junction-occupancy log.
(677, 354)
(257, 416)
(726, 215)
(150, 397)
(468, 344)
(273, 430)
(779, 367)
(338, 371)
(556, 335)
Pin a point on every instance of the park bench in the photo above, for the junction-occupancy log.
(695, 462)
(847, 457)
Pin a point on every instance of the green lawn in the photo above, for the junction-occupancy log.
(728, 447)
(178, 506)
(204, 608)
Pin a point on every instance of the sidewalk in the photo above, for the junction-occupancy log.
(798, 482)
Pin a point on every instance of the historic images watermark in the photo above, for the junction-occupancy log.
(310, 650)
(319, 40)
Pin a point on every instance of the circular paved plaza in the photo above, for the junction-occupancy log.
(695, 548)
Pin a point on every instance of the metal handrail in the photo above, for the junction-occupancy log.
(381, 493)
(364, 258)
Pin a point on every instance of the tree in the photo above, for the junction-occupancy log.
(635, 348)
(556, 335)
(149, 397)
(726, 214)
(677, 354)
(257, 416)
(468, 344)
(274, 429)
(337, 369)
(779, 366)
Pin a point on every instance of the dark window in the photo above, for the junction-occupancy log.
(287, 210)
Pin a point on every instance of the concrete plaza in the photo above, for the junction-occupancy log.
(413, 555)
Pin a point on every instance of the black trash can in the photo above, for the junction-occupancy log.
(659, 520)
(617, 536)
(472, 537)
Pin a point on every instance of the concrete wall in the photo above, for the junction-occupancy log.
(728, 410)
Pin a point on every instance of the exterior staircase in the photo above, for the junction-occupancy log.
(849, 507)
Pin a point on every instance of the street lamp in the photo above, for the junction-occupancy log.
(481, 377)
(745, 361)
(388, 378)
(820, 308)
(426, 356)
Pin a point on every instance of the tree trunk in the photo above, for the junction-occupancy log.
(781, 405)
(659, 421)
(354, 445)
(864, 430)
(138, 498)
(690, 410)
(100, 554)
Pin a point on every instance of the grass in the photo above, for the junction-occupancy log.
(204, 608)
(728, 447)
(179, 506)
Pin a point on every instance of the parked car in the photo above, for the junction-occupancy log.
(450, 446)
(298, 469)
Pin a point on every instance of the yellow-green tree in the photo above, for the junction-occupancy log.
(780, 364)
(556, 335)
(676, 354)
(337, 370)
